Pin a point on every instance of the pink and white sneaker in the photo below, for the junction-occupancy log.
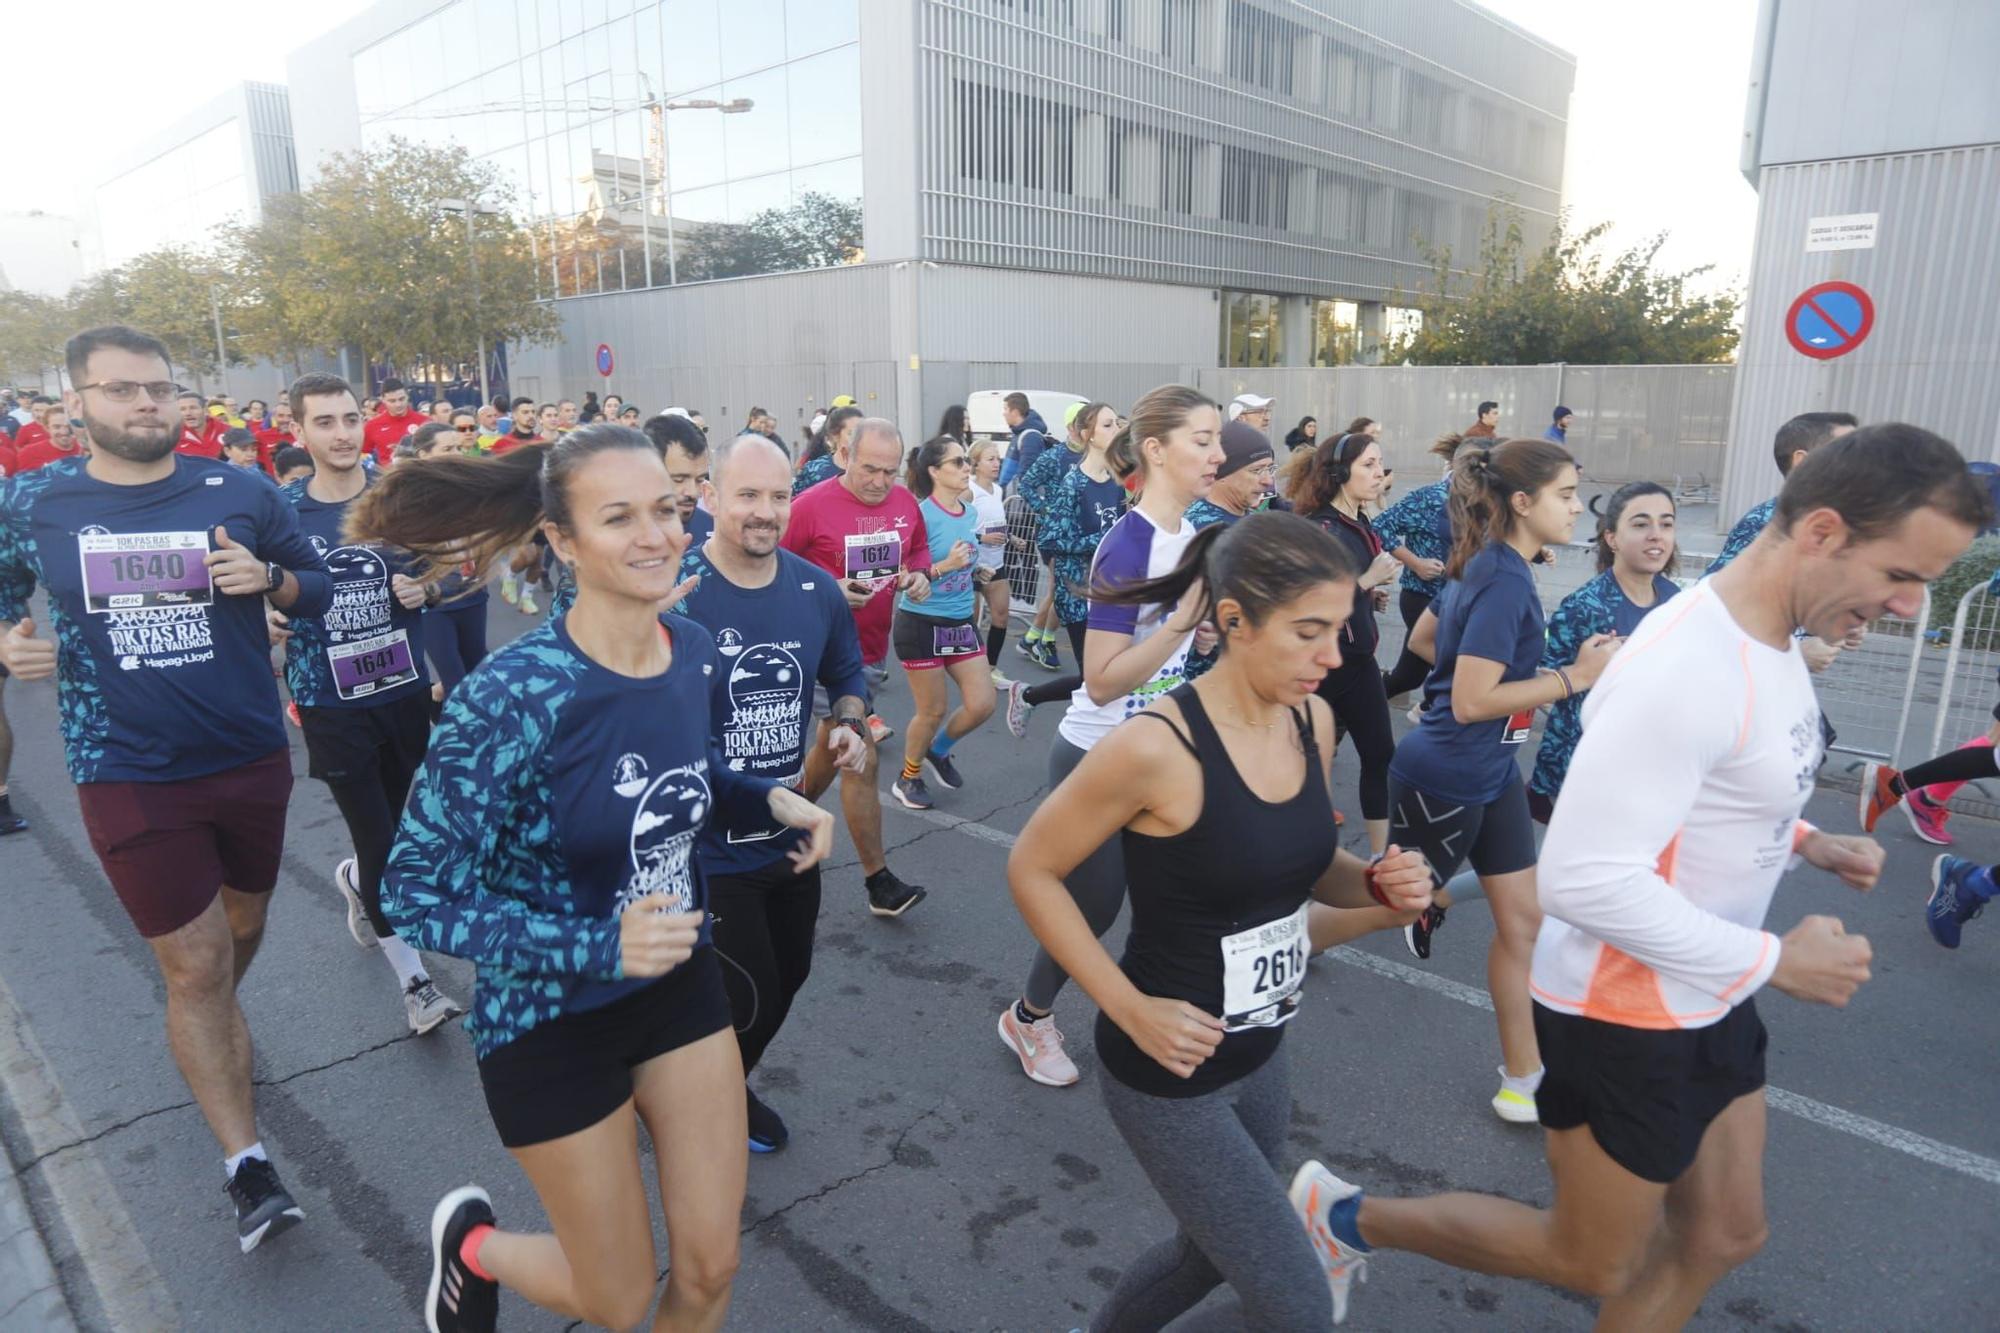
(1039, 1046)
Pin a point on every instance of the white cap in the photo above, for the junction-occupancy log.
(819, 419)
(676, 412)
(1247, 402)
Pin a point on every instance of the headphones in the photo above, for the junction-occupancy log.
(1339, 465)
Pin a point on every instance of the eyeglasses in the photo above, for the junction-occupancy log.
(468, 430)
(125, 391)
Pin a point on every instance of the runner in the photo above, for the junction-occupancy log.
(1795, 442)
(1345, 477)
(866, 531)
(356, 673)
(10, 822)
(550, 839)
(1645, 970)
(1417, 531)
(990, 575)
(780, 625)
(685, 451)
(280, 434)
(200, 434)
(826, 456)
(1960, 890)
(1455, 789)
(1226, 821)
(1928, 786)
(1132, 656)
(157, 566)
(239, 450)
(455, 628)
(383, 433)
(1243, 482)
(58, 442)
(1077, 503)
(1044, 466)
(942, 638)
(291, 463)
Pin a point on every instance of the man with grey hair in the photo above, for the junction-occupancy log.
(783, 627)
(865, 530)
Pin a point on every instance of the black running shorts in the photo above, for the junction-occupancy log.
(1648, 1096)
(569, 1073)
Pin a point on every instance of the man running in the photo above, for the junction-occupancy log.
(200, 433)
(865, 530)
(385, 432)
(780, 625)
(1656, 891)
(686, 450)
(157, 567)
(357, 674)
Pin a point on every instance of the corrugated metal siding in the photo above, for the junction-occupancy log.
(268, 114)
(1269, 162)
(1934, 273)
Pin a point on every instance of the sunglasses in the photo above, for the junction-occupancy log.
(467, 430)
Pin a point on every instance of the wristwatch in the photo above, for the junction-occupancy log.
(855, 725)
(274, 574)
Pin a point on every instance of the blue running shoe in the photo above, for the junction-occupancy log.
(1953, 901)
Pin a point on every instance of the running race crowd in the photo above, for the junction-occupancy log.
(614, 816)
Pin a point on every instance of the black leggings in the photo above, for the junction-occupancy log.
(764, 924)
(1360, 706)
(1968, 764)
(372, 807)
(455, 637)
(1410, 670)
(1062, 687)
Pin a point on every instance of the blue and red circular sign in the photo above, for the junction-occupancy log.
(604, 359)
(1829, 319)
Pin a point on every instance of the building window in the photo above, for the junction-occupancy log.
(1250, 330)
(1256, 188)
(1012, 139)
(1261, 46)
(1180, 164)
(1336, 332)
(1179, 22)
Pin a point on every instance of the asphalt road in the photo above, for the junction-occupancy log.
(928, 1184)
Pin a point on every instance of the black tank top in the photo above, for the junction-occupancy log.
(1218, 910)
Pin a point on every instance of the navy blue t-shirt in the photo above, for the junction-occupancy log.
(775, 643)
(367, 648)
(1491, 611)
(159, 675)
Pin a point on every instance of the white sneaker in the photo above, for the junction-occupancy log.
(1314, 1191)
(510, 591)
(1001, 680)
(1514, 1103)
(528, 607)
(1039, 1047)
(427, 1007)
(357, 915)
(1416, 713)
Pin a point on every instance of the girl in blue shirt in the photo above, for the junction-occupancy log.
(550, 839)
(940, 636)
(1455, 789)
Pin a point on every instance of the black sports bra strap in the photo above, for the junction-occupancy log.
(1302, 719)
(1167, 722)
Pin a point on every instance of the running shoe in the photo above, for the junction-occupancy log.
(460, 1301)
(510, 591)
(912, 793)
(879, 729)
(292, 713)
(528, 607)
(1952, 902)
(1515, 1107)
(1927, 818)
(1315, 1193)
(1018, 709)
(1039, 1047)
(1047, 656)
(944, 770)
(427, 1007)
(1418, 933)
(1415, 716)
(10, 822)
(767, 1128)
(1001, 680)
(889, 896)
(263, 1208)
(1878, 793)
(357, 916)
(1025, 646)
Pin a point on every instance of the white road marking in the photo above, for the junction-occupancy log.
(1907, 1142)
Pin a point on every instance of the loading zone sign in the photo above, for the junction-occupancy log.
(1829, 319)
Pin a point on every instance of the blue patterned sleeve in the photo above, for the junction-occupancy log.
(280, 540)
(1741, 536)
(1394, 523)
(474, 796)
(17, 575)
(1571, 623)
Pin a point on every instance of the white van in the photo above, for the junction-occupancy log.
(985, 419)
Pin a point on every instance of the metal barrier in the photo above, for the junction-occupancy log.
(1867, 693)
(1022, 565)
(1961, 706)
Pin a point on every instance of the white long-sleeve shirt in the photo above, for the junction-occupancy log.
(1679, 813)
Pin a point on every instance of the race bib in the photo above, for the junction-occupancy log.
(955, 640)
(874, 555)
(1261, 971)
(1518, 726)
(369, 666)
(139, 571)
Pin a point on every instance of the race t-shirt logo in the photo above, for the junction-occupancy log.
(767, 691)
(729, 643)
(665, 824)
(628, 775)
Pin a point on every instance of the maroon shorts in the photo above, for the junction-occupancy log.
(169, 847)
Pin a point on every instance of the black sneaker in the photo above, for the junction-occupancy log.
(889, 896)
(912, 792)
(945, 771)
(767, 1129)
(460, 1300)
(1418, 933)
(263, 1208)
(9, 821)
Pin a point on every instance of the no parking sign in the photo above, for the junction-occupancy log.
(1829, 319)
(604, 360)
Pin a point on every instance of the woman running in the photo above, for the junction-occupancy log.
(989, 576)
(455, 628)
(1345, 477)
(938, 636)
(1132, 655)
(549, 839)
(821, 458)
(1417, 531)
(1218, 795)
(1081, 504)
(1455, 789)
(1305, 435)
(1635, 556)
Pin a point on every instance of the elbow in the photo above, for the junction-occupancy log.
(1464, 713)
(1100, 691)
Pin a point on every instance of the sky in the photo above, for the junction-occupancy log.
(1654, 127)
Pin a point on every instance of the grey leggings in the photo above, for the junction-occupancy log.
(1098, 885)
(1214, 1161)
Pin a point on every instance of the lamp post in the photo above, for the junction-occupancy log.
(470, 207)
(735, 106)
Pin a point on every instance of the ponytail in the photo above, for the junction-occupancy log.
(917, 471)
(1484, 481)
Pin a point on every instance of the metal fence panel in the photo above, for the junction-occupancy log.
(1958, 698)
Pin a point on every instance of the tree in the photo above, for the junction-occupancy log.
(269, 298)
(31, 336)
(169, 293)
(1566, 302)
(818, 231)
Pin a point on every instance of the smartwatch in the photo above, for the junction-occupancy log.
(274, 574)
(855, 725)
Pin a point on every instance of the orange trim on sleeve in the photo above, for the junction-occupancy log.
(1800, 832)
(1762, 953)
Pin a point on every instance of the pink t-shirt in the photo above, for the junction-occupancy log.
(859, 543)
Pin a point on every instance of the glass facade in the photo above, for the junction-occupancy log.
(178, 197)
(589, 112)
(1252, 332)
